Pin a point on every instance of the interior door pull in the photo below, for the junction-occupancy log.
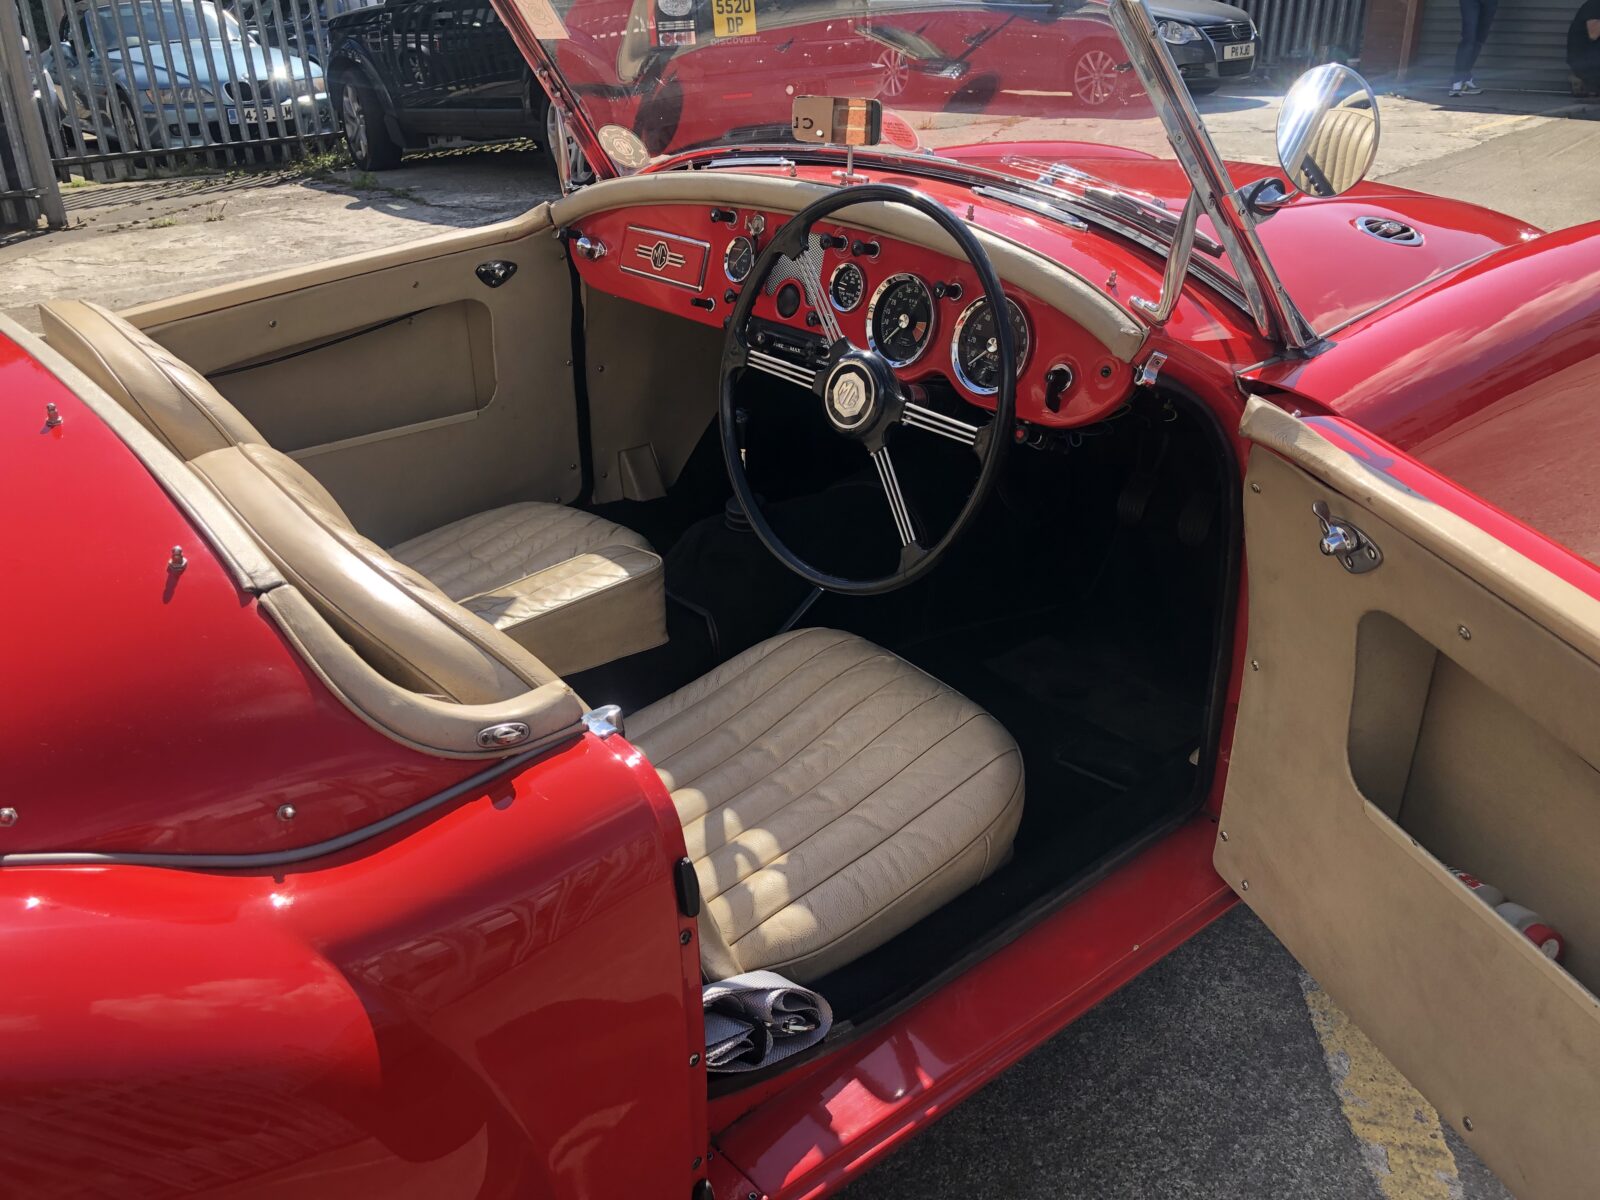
(1356, 552)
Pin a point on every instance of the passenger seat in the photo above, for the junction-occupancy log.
(574, 589)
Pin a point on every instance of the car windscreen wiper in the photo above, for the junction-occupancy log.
(1141, 208)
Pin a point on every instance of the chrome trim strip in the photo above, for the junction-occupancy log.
(282, 858)
(926, 419)
(897, 501)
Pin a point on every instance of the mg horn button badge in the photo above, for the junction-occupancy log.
(851, 390)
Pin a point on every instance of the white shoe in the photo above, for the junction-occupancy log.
(1471, 88)
(1455, 88)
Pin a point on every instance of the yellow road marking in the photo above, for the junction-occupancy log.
(1400, 1135)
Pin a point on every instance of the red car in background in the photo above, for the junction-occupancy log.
(914, 590)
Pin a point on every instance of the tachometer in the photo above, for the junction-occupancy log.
(846, 286)
(738, 258)
(900, 319)
(975, 348)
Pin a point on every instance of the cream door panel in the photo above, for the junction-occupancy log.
(414, 392)
(1440, 710)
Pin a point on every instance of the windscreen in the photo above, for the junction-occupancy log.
(662, 76)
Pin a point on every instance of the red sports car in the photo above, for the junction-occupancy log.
(666, 695)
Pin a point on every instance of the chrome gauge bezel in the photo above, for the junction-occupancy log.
(955, 344)
(860, 296)
(727, 255)
(933, 317)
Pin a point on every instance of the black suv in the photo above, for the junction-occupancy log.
(430, 74)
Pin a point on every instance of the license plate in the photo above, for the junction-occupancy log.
(256, 114)
(1240, 50)
(733, 18)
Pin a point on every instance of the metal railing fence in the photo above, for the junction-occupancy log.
(1295, 33)
(128, 87)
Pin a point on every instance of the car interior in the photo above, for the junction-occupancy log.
(487, 481)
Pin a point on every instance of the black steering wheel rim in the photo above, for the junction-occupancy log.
(791, 241)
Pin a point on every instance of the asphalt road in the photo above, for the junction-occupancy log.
(1222, 1072)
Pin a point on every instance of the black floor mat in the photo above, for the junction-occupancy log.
(1107, 719)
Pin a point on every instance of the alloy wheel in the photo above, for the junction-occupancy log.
(355, 123)
(1094, 77)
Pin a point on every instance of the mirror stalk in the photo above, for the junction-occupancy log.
(1160, 310)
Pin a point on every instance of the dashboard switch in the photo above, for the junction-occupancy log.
(705, 302)
(1057, 381)
(724, 216)
(833, 241)
(867, 249)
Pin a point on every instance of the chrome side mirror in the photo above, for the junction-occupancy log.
(1328, 131)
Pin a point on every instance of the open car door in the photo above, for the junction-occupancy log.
(1432, 704)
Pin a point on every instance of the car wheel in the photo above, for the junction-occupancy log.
(366, 133)
(580, 172)
(127, 127)
(1095, 77)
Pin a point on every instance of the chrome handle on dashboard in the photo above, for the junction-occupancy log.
(590, 248)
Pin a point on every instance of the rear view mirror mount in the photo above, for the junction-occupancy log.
(838, 121)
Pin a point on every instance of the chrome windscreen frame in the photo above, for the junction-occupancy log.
(1274, 313)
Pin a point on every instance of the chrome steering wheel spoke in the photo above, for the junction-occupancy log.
(898, 508)
(780, 368)
(919, 416)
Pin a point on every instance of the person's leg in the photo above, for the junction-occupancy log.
(1485, 19)
(1467, 50)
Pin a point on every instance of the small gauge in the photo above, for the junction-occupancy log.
(975, 348)
(738, 258)
(900, 319)
(846, 286)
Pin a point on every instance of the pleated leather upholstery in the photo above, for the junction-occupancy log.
(831, 795)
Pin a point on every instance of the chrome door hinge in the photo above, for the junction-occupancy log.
(1356, 552)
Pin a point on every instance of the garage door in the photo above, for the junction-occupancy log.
(1526, 51)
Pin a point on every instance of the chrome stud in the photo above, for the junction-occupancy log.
(52, 416)
(1466, 634)
(8, 816)
(177, 563)
(286, 812)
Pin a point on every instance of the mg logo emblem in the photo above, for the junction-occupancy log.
(849, 396)
(660, 256)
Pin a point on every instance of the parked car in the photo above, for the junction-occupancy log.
(156, 74)
(945, 577)
(419, 74)
(1210, 42)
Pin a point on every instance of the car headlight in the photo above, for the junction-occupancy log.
(1177, 33)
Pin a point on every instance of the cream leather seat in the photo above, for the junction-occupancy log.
(573, 588)
(831, 796)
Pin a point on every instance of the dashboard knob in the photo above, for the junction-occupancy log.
(860, 248)
(725, 216)
(832, 241)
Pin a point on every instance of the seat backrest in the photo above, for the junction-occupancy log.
(403, 625)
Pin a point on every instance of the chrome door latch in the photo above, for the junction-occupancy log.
(1356, 552)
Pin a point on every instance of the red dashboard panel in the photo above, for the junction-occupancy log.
(679, 259)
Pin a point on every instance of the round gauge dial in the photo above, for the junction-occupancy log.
(975, 346)
(738, 258)
(900, 319)
(846, 286)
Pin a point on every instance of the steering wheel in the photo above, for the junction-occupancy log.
(858, 393)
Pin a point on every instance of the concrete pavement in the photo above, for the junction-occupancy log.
(1222, 1073)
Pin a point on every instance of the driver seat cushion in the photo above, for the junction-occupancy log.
(571, 588)
(831, 796)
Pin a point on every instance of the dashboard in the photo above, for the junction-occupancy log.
(923, 311)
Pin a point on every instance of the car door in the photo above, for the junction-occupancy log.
(1428, 701)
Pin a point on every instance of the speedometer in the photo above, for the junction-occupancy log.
(900, 319)
(975, 346)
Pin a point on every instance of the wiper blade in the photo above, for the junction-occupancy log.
(1140, 207)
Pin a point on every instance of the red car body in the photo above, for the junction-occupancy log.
(499, 997)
